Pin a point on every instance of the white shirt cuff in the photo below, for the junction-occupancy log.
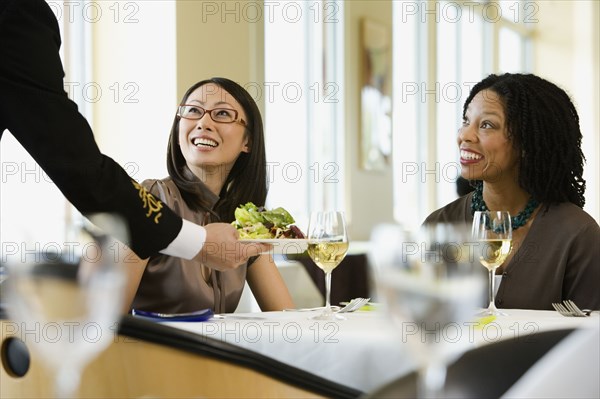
(188, 242)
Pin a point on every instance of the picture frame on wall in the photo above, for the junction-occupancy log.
(375, 95)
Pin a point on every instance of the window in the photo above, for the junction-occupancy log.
(303, 120)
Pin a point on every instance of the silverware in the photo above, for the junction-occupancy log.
(575, 309)
(354, 305)
(333, 308)
(568, 308)
(560, 308)
(233, 316)
(351, 306)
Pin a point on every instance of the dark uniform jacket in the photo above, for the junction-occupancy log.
(35, 108)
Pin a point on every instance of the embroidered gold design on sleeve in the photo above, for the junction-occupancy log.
(149, 201)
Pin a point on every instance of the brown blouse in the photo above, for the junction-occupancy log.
(175, 285)
(558, 259)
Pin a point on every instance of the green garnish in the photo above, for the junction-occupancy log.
(255, 222)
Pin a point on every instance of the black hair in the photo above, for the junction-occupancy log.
(543, 125)
(247, 179)
(463, 186)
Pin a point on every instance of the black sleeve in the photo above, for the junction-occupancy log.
(35, 108)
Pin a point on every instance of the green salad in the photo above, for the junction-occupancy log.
(255, 222)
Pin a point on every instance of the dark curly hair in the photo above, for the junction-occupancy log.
(543, 125)
(245, 182)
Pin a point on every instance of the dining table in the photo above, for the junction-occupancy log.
(367, 349)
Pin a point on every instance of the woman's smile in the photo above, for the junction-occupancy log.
(468, 157)
(203, 143)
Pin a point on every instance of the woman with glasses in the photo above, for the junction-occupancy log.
(216, 162)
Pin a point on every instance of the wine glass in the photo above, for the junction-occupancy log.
(327, 247)
(67, 298)
(430, 284)
(493, 231)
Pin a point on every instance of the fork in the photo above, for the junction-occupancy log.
(334, 308)
(575, 309)
(354, 305)
(560, 308)
(568, 309)
(351, 306)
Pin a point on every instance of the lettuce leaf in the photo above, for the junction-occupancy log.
(256, 223)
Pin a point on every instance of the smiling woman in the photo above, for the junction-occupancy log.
(486, 151)
(211, 139)
(520, 145)
(216, 162)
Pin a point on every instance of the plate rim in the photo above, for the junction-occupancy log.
(272, 240)
(280, 246)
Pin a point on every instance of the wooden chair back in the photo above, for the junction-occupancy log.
(147, 359)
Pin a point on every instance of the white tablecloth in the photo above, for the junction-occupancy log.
(364, 351)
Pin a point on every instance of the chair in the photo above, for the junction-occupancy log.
(486, 372)
(349, 280)
(569, 370)
(149, 359)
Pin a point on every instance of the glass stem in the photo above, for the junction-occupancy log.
(491, 289)
(431, 380)
(67, 382)
(327, 292)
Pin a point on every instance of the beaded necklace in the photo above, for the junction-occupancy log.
(478, 204)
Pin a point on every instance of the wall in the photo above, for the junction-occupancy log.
(164, 48)
(134, 65)
(219, 39)
(369, 194)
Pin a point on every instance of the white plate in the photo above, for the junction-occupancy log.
(281, 246)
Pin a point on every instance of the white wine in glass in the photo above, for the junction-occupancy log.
(327, 247)
(493, 231)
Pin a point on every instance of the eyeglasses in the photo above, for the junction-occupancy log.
(220, 115)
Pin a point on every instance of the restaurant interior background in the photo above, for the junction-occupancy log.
(129, 62)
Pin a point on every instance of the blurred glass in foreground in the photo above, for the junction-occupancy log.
(431, 285)
(67, 299)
